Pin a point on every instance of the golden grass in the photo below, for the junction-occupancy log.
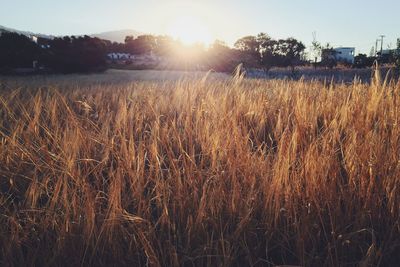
(199, 173)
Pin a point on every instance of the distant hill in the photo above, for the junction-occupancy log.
(114, 36)
(26, 33)
(117, 36)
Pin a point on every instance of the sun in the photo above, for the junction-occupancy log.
(189, 30)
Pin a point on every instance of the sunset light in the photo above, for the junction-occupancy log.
(199, 133)
(190, 30)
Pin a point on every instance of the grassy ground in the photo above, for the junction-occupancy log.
(339, 74)
(108, 77)
(199, 172)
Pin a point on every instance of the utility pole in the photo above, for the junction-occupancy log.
(376, 47)
(382, 36)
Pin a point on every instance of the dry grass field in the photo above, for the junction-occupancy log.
(199, 172)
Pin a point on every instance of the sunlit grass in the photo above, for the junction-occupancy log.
(194, 172)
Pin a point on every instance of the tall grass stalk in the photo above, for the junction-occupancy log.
(201, 173)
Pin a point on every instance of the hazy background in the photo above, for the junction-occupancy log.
(342, 23)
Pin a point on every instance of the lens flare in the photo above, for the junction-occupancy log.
(190, 30)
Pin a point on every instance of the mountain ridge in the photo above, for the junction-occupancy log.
(26, 33)
(113, 36)
(117, 35)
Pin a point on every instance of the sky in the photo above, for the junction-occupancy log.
(356, 23)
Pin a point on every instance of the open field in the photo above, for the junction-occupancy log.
(108, 77)
(345, 75)
(198, 172)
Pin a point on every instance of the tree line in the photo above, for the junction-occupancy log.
(88, 54)
(262, 51)
(61, 55)
(85, 54)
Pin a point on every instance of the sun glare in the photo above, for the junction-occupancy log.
(190, 30)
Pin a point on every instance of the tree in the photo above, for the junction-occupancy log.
(114, 47)
(262, 41)
(397, 54)
(292, 50)
(76, 54)
(146, 44)
(265, 51)
(316, 49)
(363, 61)
(164, 46)
(141, 45)
(17, 51)
(222, 58)
(248, 44)
(249, 48)
(270, 55)
(328, 56)
(129, 38)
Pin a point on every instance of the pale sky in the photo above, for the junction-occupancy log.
(355, 23)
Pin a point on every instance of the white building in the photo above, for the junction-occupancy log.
(344, 54)
(142, 58)
(120, 56)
